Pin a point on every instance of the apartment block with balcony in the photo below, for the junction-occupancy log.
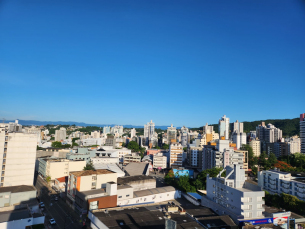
(256, 146)
(159, 161)
(277, 182)
(176, 155)
(194, 156)
(234, 196)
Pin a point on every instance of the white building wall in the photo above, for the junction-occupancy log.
(17, 157)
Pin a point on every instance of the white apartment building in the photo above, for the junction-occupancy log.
(302, 132)
(95, 134)
(239, 139)
(159, 161)
(238, 127)
(34, 130)
(132, 133)
(117, 130)
(256, 146)
(233, 196)
(60, 134)
(277, 182)
(56, 168)
(106, 129)
(223, 127)
(294, 145)
(176, 155)
(17, 155)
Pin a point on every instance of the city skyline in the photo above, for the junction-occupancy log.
(112, 63)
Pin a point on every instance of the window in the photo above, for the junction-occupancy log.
(120, 197)
(127, 195)
(3, 167)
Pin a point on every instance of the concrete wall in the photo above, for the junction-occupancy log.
(155, 198)
(19, 197)
(142, 184)
(76, 165)
(104, 178)
(124, 194)
(95, 222)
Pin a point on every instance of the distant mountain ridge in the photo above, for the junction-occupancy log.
(43, 123)
(289, 127)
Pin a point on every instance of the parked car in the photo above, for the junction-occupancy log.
(41, 204)
(52, 221)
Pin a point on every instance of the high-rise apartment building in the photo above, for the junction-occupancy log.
(183, 135)
(106, 129)
(132, 133)
(208, 129)
(171, 134)
(60, 134)
(269, 133)
(302, 132)
(294, 145)
(223, 127)
(117, 130)
(17, 155)
(150, 136)
(176, 155)
(256, 146)
(238, 127)
(239, 138)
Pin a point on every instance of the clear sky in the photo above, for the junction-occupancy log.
(127, 62)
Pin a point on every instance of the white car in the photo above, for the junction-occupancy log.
(52, 221)
(41, 204)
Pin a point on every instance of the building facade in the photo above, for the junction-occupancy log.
(60, 134)
(223, 127)
(17, 155)
(171, 134)
(176, 155)
(277, 182)
(256, 146)
(233, 196)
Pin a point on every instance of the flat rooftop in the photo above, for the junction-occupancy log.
(150, 217)
(125, 180)
(7, 216)
(153, 191)
(18, 188)
(91, 172)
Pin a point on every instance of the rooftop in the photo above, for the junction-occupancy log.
(19, 188)
(7, 216)
(153, 191)
(91, 172)
(143, 217)
(125, 180)
(136, 168)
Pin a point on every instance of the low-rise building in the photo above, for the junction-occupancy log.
(55, 168)
(277, 182)
(159, 161)
(133, 157)
(139, 182)
(14, 195)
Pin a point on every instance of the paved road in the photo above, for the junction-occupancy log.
(58, 210)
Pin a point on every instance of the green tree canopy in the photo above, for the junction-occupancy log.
(165, 146)
(89, 166)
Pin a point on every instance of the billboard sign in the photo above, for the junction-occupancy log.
(258, 221)
(281, 219)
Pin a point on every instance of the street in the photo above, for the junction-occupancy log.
(63, 215)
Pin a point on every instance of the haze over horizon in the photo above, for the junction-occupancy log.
(180, 62)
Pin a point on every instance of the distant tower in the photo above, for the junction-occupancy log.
(224, 127)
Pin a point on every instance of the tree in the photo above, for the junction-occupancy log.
(48, 179)
(89, 166)
(262, 160)
(133, 146)
(272, 159)
(202, 177)
(165, 146)
(185, 149)
(56, 144)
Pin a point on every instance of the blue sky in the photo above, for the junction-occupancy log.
(127, 62)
